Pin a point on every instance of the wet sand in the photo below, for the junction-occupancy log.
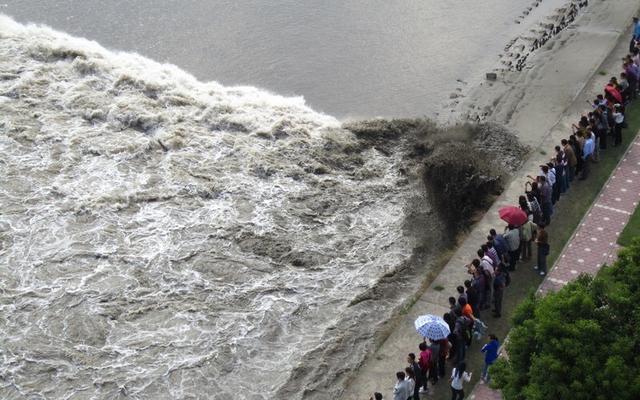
(538, 103)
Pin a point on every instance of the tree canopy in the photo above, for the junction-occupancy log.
(582, 342)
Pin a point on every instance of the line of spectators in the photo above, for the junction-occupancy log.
(499, 255)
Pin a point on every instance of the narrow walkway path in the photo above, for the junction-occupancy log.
(594, 243)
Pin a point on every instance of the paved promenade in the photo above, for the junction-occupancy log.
(593, 244)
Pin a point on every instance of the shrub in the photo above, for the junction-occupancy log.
(582, 342)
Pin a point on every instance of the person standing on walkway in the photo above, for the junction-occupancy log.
(424, 362)
(479, 282)
(401, 389)
(545, 199)
(453, 304)
(524, 205)
(552, 178)
(461, 293)
(576, 145)
(602, 124)
(587, 156)
(445, 346)
(410, 377)
(542, 240)
(490, 351)
(572, 161)
(618, 117)
(473, 298)
(633, 75)
(491, 252)
(636, 34)
(485, 261)
(527, 231)
(417, 373)
(458, 377)
(561, 162)
(460, 335)
(625, 90)
(534, 205)
(512, 236)
(499, 243)
(466, 308)
(593, 129)
(434, 346)
(499, 284)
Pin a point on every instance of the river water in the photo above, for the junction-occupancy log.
(164, 236)
(355, 58)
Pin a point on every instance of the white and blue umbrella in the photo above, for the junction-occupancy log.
(432, 327)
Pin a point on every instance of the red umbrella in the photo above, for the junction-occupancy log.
(513, 215)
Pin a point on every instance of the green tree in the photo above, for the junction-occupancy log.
(582, 342)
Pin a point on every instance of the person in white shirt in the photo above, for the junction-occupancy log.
(458, 377)
(550, 173)
(636, 57)
(486, 262)
(618, 117)
(411, 378)
(401, 389)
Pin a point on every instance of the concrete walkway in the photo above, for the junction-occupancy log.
(593, 244)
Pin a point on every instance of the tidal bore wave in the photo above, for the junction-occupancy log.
(161, 237)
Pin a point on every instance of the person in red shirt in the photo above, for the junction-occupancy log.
(424, 361)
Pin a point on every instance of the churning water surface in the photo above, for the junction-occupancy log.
(166, 238)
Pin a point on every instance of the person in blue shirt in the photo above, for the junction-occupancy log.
(490, 351)
(587, 155)
(636, 34)
(499, 243)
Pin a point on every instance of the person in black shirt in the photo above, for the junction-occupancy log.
(499, 283)
(473, 299)
(417, 372)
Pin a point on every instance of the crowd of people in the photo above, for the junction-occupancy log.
(498, 256)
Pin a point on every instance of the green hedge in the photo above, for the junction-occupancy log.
(582, 342)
